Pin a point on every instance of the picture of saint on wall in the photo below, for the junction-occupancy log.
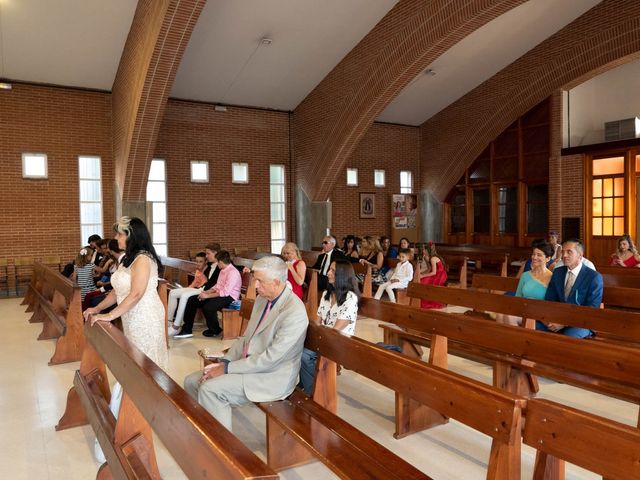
(367, 205)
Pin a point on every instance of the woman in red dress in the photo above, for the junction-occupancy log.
(626, 255)
(432, 271)
(297, 267)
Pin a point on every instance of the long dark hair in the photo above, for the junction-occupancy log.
(345, 282)
(138, 240)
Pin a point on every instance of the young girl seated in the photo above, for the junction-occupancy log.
(83, 271)
(178, 296)
(401, 277)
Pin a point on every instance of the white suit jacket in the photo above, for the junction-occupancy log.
(270, 371)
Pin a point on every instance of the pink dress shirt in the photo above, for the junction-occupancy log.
(229, 282)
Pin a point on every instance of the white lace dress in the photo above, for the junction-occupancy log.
(144, 323)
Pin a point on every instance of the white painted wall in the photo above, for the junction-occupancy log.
(614, 95)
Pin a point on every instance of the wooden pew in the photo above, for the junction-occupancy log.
(299, 429)
(480, 256)
(620, 277)
(152, 401)
(611, 371)
(367, 284)
(461, 263)
(177, 271)
(616, 325)
(55, 301)
(613, 297)
(561, 433)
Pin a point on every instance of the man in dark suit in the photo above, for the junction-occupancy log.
(329, 254)
(573, 283)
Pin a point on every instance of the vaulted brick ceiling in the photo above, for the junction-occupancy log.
(606, 36)
(158, 37)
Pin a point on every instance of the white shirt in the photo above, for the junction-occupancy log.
(587, 263)
(404, 273)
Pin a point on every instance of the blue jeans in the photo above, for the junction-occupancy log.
(308, 370)
(575, 332)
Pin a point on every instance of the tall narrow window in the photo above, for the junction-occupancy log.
(608, 197)
(90, 197)
(507, 209)
(278, 212)
(458, 211)
(406, 182)
(481, 210)
(157, 195)
(537, 209)
(378, 178)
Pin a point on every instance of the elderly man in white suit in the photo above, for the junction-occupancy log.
(263, 364)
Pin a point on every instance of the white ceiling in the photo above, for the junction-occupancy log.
(480, 56)
(226, 63)
(64, 42)
(80, 42)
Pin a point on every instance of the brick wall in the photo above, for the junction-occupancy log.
(384, 147)
(232, 214)
(572, 188)
(42, 217)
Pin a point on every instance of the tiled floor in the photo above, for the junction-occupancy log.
(33, 395)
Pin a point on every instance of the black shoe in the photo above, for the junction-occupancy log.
(183, 334)
(211, 333)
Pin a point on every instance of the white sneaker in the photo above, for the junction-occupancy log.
(173, 331)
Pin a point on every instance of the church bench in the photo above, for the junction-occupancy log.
(613, 325)
(479, 256)
(460, 264)
(152, 402)
(177, 271)
(56, 302)
(560, 433)
(365, 272)
(300, 430)
(517, 354)
(437, 393)
(613, 297)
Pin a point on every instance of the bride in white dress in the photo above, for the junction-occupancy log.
(135, 290)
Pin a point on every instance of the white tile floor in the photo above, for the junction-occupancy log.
(33, 396)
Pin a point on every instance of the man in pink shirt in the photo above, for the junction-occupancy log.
(221, 295)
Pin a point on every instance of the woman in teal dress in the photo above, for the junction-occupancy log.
(532, 284)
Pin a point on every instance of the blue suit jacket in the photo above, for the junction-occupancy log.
(586, 290)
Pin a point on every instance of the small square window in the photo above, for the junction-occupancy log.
(378, 178)
(352, 177)
(240, 172)
(34, 165)
(200, 172)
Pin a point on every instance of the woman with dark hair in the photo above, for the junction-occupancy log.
(533, 283)
(350, 247)
(135, 285)
(626, 254)
(338, 309)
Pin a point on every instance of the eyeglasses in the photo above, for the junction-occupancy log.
(324, 242)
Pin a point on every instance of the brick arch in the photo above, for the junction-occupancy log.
(330, 122)
(159, 34)
(604, 37)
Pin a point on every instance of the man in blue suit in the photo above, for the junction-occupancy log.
(573, 283)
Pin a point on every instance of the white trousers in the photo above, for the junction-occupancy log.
(178, 302)
(388, 287)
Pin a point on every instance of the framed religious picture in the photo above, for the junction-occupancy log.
(367, 205)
